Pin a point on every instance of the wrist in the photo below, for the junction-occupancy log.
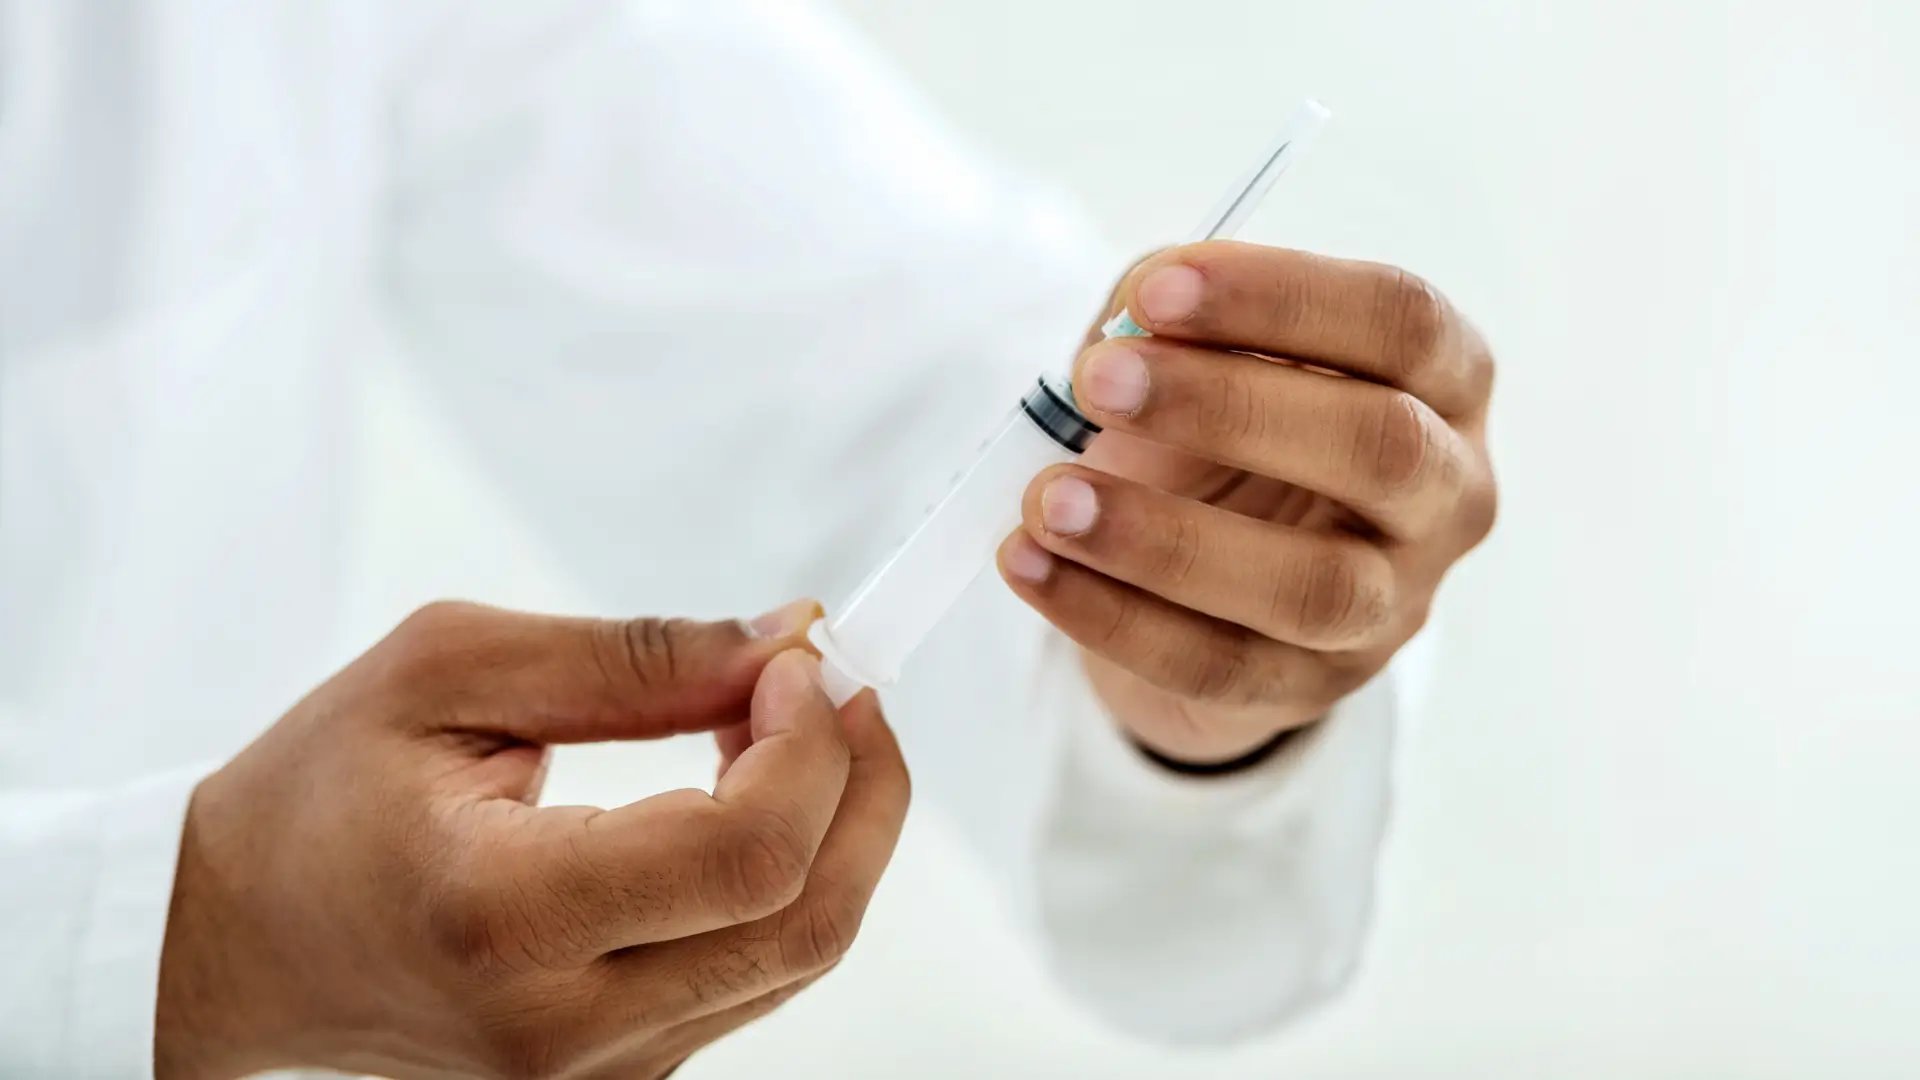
(208, 1013)
(1191, 738)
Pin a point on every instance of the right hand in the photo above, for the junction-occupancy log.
(370, 888)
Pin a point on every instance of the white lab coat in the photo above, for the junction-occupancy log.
(703, 285)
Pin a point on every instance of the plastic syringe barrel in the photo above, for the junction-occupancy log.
(868, 639)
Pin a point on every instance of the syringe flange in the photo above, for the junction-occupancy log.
(840, 676)
(1054, 413)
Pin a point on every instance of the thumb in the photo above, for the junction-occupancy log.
(546, 679)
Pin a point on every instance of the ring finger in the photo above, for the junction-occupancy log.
(1185, 652)
(1321, 591)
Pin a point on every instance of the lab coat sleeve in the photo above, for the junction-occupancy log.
(1212, 909)
(86, 879)
(708, 289)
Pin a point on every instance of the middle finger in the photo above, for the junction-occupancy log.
(1381, 451)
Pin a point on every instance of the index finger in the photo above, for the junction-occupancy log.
(684, 862)
(1363, 319)
(553, 679)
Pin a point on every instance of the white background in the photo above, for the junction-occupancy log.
(1661, 819)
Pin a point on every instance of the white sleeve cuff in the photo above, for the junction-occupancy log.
(117, 971)
(1209, 908)
(1110, 766)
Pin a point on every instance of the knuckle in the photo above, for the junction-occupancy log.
(758, 867)
(1415, 317)
(429, 632)
(736, 969)
(1119, 624)
(1229, 412)
(779, 996)
(820, 932)
(1479, 510)
(1400, 447)
(1417, 615)
(1293, 293)
(649, 650)
(1340, 597)
(435, 619)
(1325, 596)
(1211, 672)
(1175, 549)
(1479, 370)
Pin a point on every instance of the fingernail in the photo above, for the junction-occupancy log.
(1114, 380)
(1170, 294)
(1068, 506)
(1027, 560)
(785, 621)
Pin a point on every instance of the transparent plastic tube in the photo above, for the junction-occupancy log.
(866, 641)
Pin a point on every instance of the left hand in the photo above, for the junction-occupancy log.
(1290, 465)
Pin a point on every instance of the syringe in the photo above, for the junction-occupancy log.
(868, 639)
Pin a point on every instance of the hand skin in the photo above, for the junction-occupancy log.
(370, 888)
(1289, 466)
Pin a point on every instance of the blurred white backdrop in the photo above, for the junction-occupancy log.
(1660, 819)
